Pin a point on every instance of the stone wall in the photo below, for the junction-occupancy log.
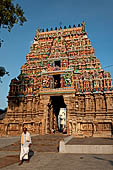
(92, 115)
(87, 115)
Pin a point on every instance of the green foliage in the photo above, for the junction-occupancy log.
(10, 14)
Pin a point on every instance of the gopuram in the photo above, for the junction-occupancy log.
(62, 87)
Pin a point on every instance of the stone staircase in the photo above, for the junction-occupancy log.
(47, 143)
(40, 143)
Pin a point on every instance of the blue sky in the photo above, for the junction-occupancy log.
(98, 15)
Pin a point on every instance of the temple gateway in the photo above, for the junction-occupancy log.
(62, 87)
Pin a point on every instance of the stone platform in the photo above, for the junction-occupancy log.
(45, 155)
(86, 145)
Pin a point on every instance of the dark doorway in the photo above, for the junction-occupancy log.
(57, 63)
(56, 81)
(58, 104)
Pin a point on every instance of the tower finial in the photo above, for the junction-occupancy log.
(83, 26)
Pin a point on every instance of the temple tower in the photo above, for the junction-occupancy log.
(61, 72)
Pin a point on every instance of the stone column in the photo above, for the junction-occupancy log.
(82, 104)
(45, 102)
(28, 115)
(51, 118)
(74, 128)
(78, 127)
(97, 102)
(92, 104)
(87, 103)
(29, 104)
(69, 130)
(6, 129)
(109, 103)
(37, 104)
(34, 105)
(69, 107)
(21, 107)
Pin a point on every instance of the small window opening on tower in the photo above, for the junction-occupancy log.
(57, 63)
(56, 81)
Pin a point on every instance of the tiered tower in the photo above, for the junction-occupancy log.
(61, 71)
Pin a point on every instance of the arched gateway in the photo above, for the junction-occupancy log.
(61, 86)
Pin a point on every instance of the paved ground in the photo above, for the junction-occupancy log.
(4, 141)
(50, 159)
(45, 143)
(91, 141)
(56, 161)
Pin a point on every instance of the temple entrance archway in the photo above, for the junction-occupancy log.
(57, 116)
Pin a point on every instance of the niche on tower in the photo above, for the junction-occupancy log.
(57, 63)
(56, 81)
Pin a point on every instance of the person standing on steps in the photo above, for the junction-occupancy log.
(25, 145)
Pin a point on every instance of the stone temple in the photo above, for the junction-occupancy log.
(62, 87)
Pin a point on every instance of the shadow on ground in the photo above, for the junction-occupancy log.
(102, 159)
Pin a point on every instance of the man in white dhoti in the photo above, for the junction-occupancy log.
(25, 144)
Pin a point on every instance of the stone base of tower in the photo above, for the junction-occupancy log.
(86, 114)
(92, 129)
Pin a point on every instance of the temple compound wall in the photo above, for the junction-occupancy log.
(61, 72)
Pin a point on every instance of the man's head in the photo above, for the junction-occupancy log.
(24, 129)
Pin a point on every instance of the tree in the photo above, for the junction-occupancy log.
(10, 14)
(3, 72)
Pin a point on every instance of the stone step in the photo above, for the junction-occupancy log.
(87, 146)
(40, 143)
